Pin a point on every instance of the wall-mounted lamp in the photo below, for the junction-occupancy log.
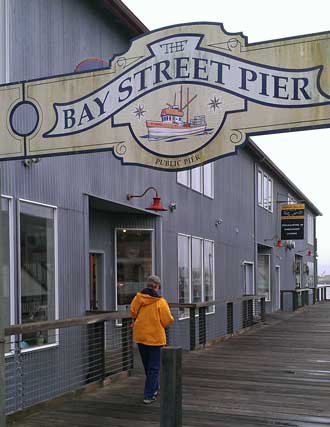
(29, 162)
(156, 204)
(290, 244)
(279, 244)
(218, 222)
(172, 206)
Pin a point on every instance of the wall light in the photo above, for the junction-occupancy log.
(156, 204)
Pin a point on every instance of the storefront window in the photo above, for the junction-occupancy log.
(5, 270)
(196, 269)
(184, 271)
(263, 282)
(37, 274)
(134, 263)
(209, 273)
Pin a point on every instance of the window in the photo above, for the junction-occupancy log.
(200, 179)
(134, 263)
(291, 200)
(184, 270)
(265, 191)
(38, 272)
(310, 229)
(195, 271)
(263, 282)
(310, 274)
(6, 260)
(208, 274)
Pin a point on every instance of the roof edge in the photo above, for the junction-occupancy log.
(126, 16)
(265, 159)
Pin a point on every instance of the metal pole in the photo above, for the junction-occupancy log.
(171, 387)
(2, 323)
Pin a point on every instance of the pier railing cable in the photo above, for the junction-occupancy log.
(47, 359)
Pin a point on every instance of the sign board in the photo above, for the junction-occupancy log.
(179, 97)
(292, 221)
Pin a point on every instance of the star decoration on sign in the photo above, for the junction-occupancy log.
(139, 111)
(214, 103)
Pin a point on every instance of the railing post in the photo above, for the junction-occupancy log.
(244, 313)
(2, 378)
(192, 327)
(294, 300)
(230, 318)
(314, 295)
(127, 347)
(282, 300)
(202, 325)
(171, 387)
(263, 309)
(250, 312)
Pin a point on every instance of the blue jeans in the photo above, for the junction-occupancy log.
(150, 356)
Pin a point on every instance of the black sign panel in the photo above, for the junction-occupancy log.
(292, 221)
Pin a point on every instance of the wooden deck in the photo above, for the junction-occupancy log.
(276, 375)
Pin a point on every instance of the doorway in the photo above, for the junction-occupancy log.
(134, 263)
(248, 278)
(96, 281)
(277, 289)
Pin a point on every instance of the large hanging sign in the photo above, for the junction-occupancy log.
(181, 96)
(292, 221)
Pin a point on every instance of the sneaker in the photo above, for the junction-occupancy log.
(148, 400)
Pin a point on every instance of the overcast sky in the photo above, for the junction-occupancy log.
(303, 156)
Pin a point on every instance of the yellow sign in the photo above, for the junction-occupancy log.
(180, 97)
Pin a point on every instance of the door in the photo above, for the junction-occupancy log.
(277, 290)
(134, 263)
(96, 281)
(248, 278)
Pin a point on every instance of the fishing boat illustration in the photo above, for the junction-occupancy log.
(172, 122)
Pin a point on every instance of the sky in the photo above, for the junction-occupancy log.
(303, 156)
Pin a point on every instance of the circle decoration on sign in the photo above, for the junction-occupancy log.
(24, 118)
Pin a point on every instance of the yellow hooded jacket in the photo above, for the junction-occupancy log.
(151, 316)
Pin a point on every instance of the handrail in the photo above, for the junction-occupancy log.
(215, 302)
(298, 290)
(65, 323)
(92, 317)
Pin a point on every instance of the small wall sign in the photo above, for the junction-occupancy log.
(292, 221)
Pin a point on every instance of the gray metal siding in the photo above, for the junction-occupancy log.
(50, 37)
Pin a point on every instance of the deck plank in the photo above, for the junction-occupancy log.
(278, 374)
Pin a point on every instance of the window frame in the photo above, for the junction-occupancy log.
(266, 203)
(269, 298)
(182, 314)
(310, 229)
(202, 180)
(19, 274)
(12, 313)
(115, 257)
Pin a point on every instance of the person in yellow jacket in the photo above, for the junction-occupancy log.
(151, 315)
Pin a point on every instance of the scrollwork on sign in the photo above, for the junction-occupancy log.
(236, 137)
(120, 149)
(121, 62)
(233, 44)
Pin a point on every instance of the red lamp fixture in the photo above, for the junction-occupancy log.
(156, 205)
(279, 244)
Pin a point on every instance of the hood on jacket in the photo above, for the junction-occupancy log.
(145, 297)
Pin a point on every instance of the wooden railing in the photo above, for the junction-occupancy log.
(301, 297)
(94, 348)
